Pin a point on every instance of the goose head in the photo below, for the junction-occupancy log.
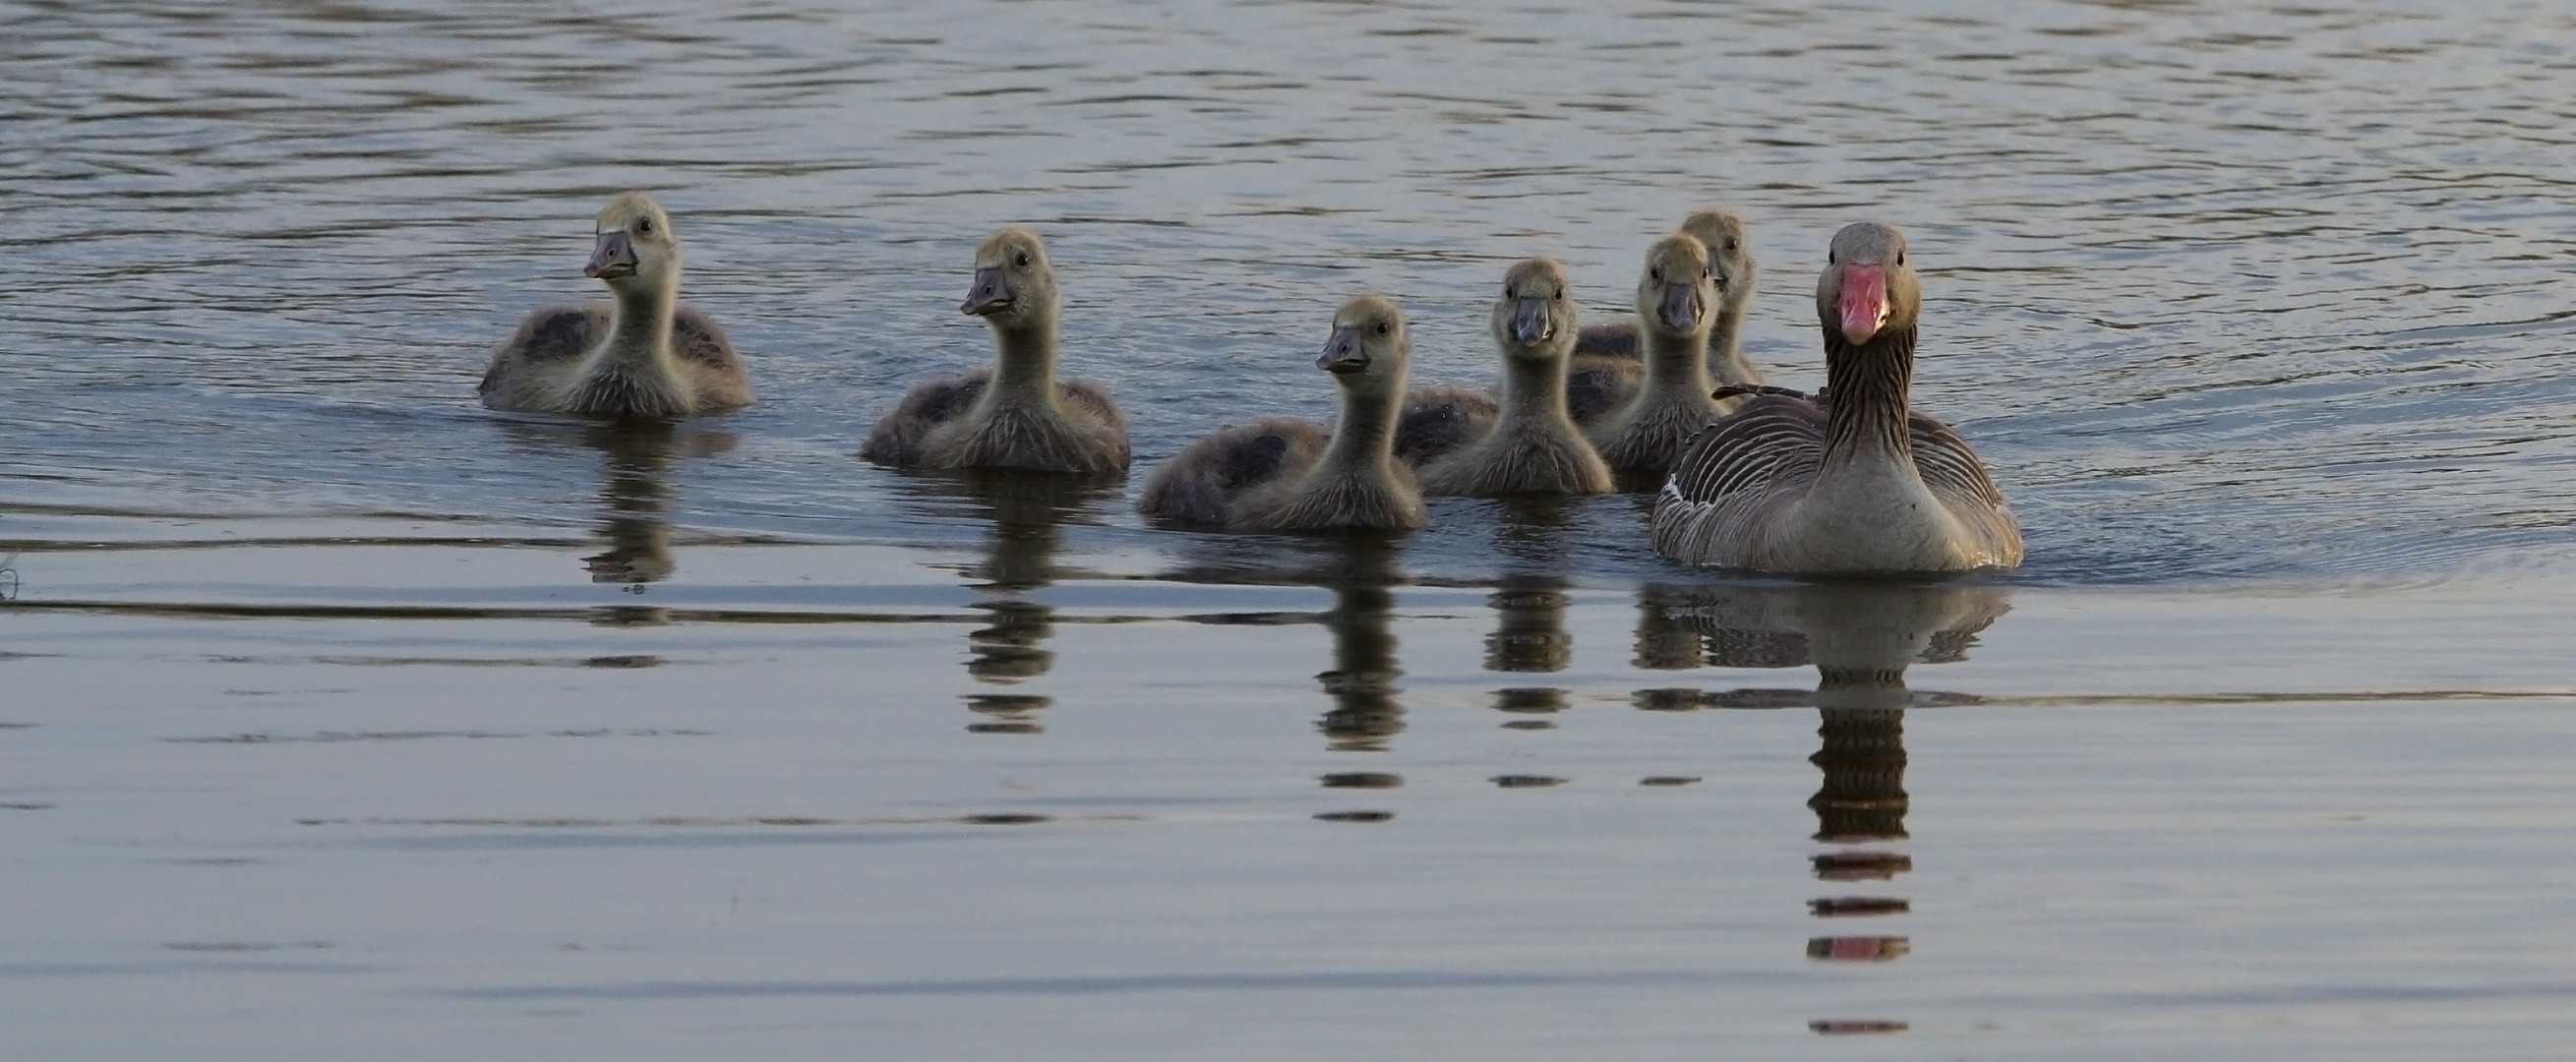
(1868, 286)
(1014, 284)
(1730, 253)
(634, 248)
(1677, 293)
(1534, 318)
(1368, 354)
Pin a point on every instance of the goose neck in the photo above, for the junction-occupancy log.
(1024, 362)
(1865, 415)
(1725, 345)
(1676, 363)
(639, 334)
(1534, 388)
(1364, 438)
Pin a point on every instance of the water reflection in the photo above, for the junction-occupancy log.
(638, 459)
(1861, 638)
(1024, 512)
(1361, 683)
(1532, 539)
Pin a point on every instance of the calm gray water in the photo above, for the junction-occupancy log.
(340, 717)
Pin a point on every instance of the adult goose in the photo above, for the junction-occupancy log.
(1015, 414)
(643, 354)
(1608, 357)
(1852, 482)
(1284, 474)
(1533, 447)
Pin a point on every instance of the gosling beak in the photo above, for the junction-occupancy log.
(1681, 309)
(612, 257)
(1342, 353)
(1864, 302)
(1529, 322)
(989, 296)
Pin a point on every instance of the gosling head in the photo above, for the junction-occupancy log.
(1014, 284)
(1677, 294)
(1368, 353)
(1534, 318)
(1868, 286)
(634, 248)
(1730, 252)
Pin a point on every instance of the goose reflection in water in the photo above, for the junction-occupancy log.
(1861, 638)
(1359, 569)
(1532, 539)
(1365, 713)
(638, 458)
(1026, 511)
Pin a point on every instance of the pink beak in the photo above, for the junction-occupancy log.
(1864, 302)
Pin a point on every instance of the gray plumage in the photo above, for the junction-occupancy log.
(1677, 300)
(1534, 447)
(1283, 474)
(1856, 482)
(1016, 414)
(644, 354)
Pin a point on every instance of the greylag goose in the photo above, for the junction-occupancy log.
(1675, 294)
(1284, 474)
(1533, 447)
(642, 355)
(1438, 420)
(1854, 482)
(1607, 369)
(1016, 414)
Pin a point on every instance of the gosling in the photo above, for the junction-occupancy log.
(642, 355)
(1015, 414)
(1534, 447)
(1284, 474)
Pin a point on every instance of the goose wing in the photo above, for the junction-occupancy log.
(1735, 474)
(896, 440)
(1954, 475)
(551, 336)
(1437, 420)
(1948, 466)
(695, 337)
(1199, 483)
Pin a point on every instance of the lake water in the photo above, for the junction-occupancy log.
(342, 718)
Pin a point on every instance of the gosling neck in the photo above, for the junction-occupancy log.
(1725, 343)
(1865, 414)
(1534, 388)
(1676, 363)
(1024, 357)
(639, 332)
(1364, 440)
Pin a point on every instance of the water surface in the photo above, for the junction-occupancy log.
(344, 718)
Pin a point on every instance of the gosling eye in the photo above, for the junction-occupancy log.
(1655, 274)
(1703, 274)
(1829, 257)
(1730, 244)
(1382, 328)
(1900, 258)
(645, 226)
(1021, 260)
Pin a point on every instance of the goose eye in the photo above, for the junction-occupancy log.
(1021, 259)
(1900, 258)
(1703, 274)
(1381, 328)
(1656, 275)
(1730, 245)
(645, 226)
